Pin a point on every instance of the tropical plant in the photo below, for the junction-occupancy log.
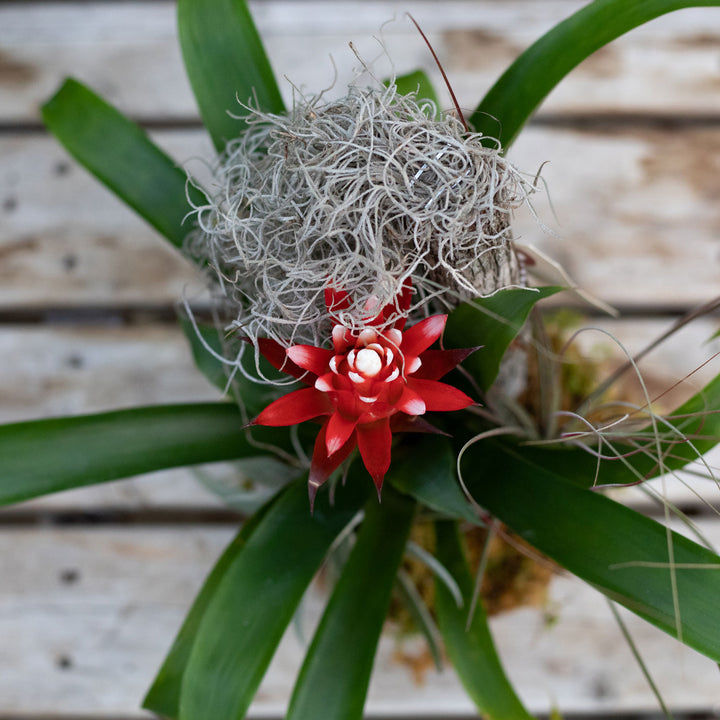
(542, 487)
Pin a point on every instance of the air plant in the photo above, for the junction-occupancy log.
(345, 240)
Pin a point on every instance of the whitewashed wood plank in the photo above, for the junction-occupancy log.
(129, 52)
(634, 217)
(66, 240)
(51, 371)
(91, 612)
(637, 221)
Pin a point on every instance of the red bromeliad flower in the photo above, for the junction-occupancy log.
(372, 382)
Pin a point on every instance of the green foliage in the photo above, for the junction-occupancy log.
(163, 697)
(205, 340)
(334, 678)
(667, 579)
(226, 64)
(121, 155)
(430, 476)
(527, 82)
(251, 600)
(491, 323)
(44, 456)
(471, 649)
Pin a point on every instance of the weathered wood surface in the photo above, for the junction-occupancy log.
(129, 52)
(86, 623)
(86, 612)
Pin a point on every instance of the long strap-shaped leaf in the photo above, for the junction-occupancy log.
(121, 155)
(525, 84)
(256, 598)
(163, 697)
(430, 476)
(334, 678)
(226, 64)
(491, 323)
(45, 456)
(622, 553)
(471, 650)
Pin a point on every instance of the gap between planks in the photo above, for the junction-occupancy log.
(601, 121)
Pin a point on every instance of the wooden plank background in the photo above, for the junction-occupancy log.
(95, 582)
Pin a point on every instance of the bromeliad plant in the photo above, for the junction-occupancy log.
(348, 239)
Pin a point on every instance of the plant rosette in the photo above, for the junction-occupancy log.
(366, 288)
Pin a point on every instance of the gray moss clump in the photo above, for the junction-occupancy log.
(360, 194)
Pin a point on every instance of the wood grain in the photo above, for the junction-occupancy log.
(94, 612)
(130, 53)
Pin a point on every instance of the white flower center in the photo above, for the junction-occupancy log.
(368, 362)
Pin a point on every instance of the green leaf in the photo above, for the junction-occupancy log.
(421, 616)
(226, 64)
(525, 84)
(163, 697)
(257, 596)
(689, 432)
(425, 469)
(334, 678)
(201, 337)
(254, 396)
(471, 650)
(416, 82)
(492, 323)
(698, 421)
(45, 456)
(622, 553)
(121, 155)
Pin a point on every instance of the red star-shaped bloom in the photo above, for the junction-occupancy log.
(370, 383)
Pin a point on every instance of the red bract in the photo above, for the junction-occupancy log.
(370, 383)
